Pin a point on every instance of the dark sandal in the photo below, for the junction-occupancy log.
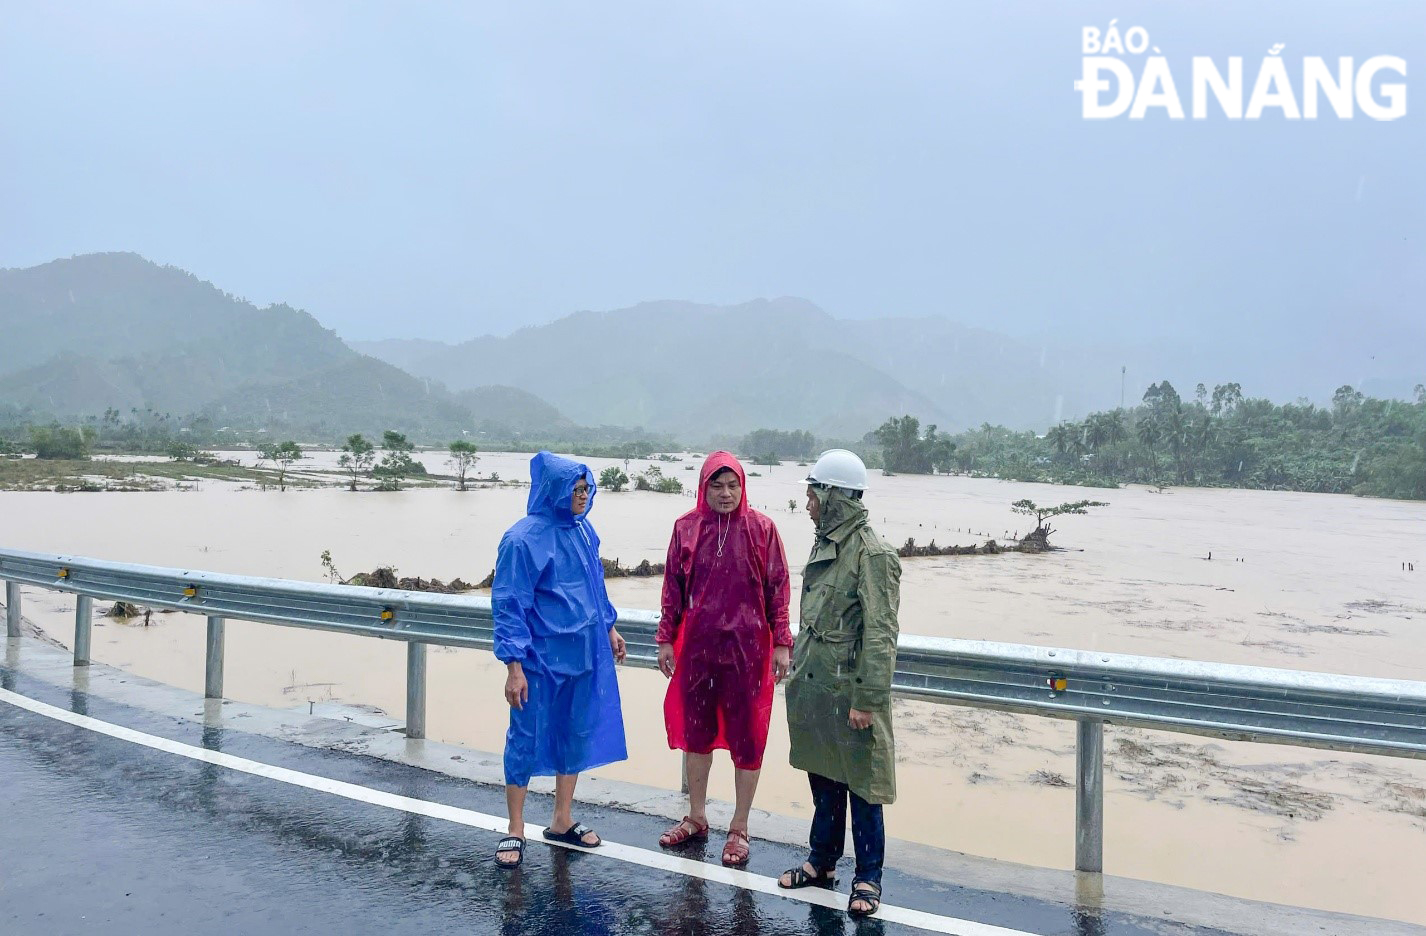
(798, 877)
(679, 834)
(740, 851)
(511, 843)
(574, 835)
(864, 892)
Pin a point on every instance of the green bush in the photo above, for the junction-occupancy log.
(653, 480)
(612, 479)
(61, 443)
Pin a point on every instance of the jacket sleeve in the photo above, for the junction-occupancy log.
(674, 590)
(512, 600)
(777, 589)
(879, 591)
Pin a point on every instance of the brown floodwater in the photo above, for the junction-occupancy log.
(1300, 581)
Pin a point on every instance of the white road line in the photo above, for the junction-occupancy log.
(661, 861)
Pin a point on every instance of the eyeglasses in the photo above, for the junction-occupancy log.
(581, 489)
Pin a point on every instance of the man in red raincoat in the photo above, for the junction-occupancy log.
(723, 642)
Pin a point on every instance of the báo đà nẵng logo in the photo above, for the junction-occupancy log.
(1125, 74)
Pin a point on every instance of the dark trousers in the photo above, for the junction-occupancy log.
(829, 829)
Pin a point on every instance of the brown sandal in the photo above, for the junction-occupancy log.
(682, 833)
(735, 853)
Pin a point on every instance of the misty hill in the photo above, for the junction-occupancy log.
(405, 353)
(687, 369)
(114, 330)
(696, 370)
(506, 413)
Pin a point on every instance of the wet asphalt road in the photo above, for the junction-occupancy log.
(104, 836)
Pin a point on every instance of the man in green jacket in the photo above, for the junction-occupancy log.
(839, 692)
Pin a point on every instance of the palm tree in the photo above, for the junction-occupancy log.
(1059, 438)
(1096, 433)
(1150, 435)
(1114, 427)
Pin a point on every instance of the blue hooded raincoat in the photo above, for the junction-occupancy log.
(553, 616)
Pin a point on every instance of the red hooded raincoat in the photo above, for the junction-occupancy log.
(725, 600)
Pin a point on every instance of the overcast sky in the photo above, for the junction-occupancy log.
(450, 169)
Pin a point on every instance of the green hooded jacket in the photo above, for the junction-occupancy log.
(845, 653)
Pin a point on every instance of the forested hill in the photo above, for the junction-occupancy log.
(114, 331)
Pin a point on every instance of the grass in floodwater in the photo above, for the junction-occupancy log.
(33, 474)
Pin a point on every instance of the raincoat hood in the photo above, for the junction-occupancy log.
(840, 514)
(552, 481)
(713, 464)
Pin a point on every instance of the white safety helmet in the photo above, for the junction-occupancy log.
(839, 468)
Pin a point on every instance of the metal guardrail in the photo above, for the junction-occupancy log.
(1343, 713)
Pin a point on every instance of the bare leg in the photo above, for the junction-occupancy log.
(564, 807)
(745, 786)
(695, 771)
(699, 766)
(515, 808)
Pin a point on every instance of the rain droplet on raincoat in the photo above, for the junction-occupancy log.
(552, 615)
(723, 614)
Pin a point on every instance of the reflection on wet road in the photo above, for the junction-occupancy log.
(104, 835)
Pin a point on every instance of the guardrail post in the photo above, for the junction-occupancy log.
(83, 627)
(415, 689)
(1089, 797)
(213, 669)
(12, 609)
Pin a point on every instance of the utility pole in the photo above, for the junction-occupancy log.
(1123, 369)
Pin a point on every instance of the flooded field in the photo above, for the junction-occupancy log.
(1303, 581)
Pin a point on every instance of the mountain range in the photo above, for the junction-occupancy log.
(695, 370)
(82, 335)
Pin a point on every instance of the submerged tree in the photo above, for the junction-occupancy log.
(612, 479)
(653, 479)
(181, 450)
(282, 455)
(463, 459)
(1039, 538)
(396, 462)
(357, 457)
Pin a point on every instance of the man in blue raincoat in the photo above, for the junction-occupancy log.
(554, 631)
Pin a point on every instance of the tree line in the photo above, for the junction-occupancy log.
(1218, 438)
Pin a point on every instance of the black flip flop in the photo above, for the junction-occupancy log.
(510, 843)
(574, 835)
